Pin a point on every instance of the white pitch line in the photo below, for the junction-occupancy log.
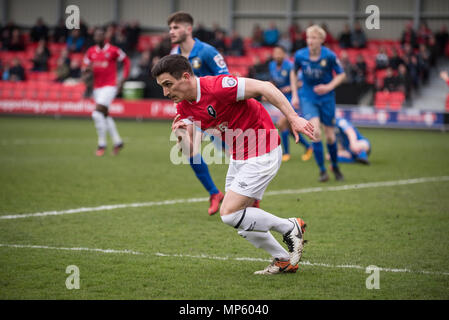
(191, 200)
(204, 256)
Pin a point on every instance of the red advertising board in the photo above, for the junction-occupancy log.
(139, 109)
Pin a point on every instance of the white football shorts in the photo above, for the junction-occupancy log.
(104, 95)
(251, 177)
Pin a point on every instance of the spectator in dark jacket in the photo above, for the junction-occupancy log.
(358, 37)
(391, 82)
(237, 45)
(39, 31)
(41, 57)
(344, 40)
(15, 72)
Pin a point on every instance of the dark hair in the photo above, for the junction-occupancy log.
(180, 16)
(280, 46)
(174, 64)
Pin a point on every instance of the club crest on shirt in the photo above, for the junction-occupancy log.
(211, 111)
(228, 82)
(196, 63)
(323, 62)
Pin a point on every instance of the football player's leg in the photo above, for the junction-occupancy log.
(99, 118)
(248, 182)
(266, 241)
(107, 98)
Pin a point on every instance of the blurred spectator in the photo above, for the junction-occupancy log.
(299, 42)
(16, 43)
(344, 40)
(120, 39)
(445, 76)
(41, 57)
(391, 82)
(203, 34)
(143, 66)
(62, 69)
(219, 42)
(259, 70)
(405, 82)
(347, 66)
(284, 42)
(39, 31)
(75, 41)
(381, 59)
(132, 32)
(441, 38)
(89, 38)
(15, 72)
(413, 69)
(329, 37)
(409, 35)
(271, 35)
(424, 63)
(6, 34)
(358, 37)
(433, 51)
(237, 47)
(110, 33)
(60, 32)
(257, 36)
(359, 69)
(163, 48)
(423, 34)
(395, 60)
(293, 30)
(74, 71)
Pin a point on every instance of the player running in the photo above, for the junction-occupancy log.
(102, 59)
(317, 64)
(354, 146)
(280, 68)
(225, 103)
(205, 61)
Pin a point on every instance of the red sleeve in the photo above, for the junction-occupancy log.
(229, 89)
(126, 67)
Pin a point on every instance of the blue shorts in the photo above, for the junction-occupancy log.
(323, 109)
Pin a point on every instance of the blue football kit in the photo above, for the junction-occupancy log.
(342, 125)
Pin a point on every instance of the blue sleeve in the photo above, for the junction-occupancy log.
(297, 62)
(335, 63)
(216, 62)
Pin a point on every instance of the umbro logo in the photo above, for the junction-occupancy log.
(211, 111)
(242, 184)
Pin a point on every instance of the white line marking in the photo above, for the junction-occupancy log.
(191, 200)
(204, 256)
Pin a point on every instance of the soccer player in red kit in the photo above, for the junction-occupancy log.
(102, 59)
(226, 103)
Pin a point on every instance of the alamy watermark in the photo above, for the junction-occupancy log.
(73, 280)
(373, 280)
(73, 20)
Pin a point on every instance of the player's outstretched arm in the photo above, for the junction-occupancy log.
(255, 88)
(294, 88)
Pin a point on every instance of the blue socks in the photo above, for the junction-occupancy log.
(304, 141)
(319, 155)
(202, 173)
(332, 148)
(285, 143)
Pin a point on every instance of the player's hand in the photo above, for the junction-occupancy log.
(322, 89)
(301, 125)
(178, 124)
(120, 85)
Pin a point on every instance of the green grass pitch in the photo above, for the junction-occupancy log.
(182, 253)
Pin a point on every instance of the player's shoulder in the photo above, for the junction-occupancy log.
(326, 52)
(302, 53)
(205, 47)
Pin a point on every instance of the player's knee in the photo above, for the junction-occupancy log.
(225, 210)
(102, 109)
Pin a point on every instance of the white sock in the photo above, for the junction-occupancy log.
(112, 129)
(100, 125)
(255, 219)
(266, 241)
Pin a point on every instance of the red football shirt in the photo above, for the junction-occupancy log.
(104, 64)
(244, 125)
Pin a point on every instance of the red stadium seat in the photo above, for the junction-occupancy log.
(381, 100)
(396, 100)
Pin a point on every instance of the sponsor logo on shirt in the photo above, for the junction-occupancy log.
(196, 63)
(211, 111)
(219, 60)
